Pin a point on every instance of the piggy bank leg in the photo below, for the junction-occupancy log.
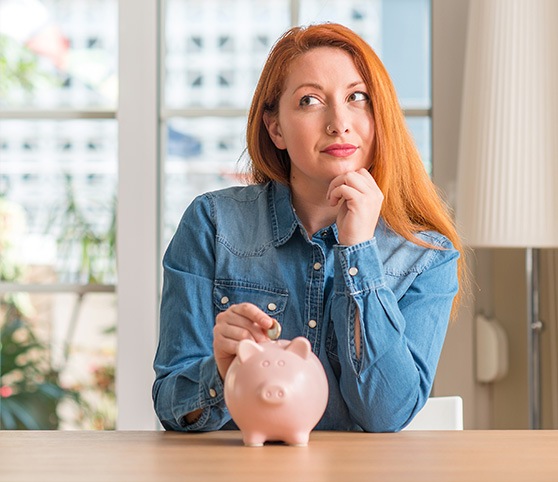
(299, 439)
(253, 439)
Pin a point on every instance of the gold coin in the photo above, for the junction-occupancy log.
(275, 331)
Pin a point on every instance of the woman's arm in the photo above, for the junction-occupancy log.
(195, 347)
(386, 379)
(187, 380)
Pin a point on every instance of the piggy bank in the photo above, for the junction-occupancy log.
(276, 391)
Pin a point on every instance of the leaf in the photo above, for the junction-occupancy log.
(20, 413)
(52, 391)
(7, 420)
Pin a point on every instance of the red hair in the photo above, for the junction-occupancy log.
(411, 200)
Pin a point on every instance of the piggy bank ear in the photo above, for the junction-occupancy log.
(300, 346)
(246, 349)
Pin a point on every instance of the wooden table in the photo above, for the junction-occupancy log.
(471, 456)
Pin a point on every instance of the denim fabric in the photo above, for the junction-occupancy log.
(246, 244)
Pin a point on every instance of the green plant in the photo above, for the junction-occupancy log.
(98, 400)
(79, 239)
(19, 69)
(30, 389)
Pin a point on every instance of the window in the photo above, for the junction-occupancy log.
(57, 213)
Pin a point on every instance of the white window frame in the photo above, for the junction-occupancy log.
(138, 212)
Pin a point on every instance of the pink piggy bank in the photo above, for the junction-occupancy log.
(276, 391)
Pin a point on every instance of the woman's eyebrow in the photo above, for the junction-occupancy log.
(317, 86)
(308, 84)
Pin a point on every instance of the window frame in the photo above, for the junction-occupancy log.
(139, 209)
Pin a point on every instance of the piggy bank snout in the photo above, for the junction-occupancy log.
(274, 394)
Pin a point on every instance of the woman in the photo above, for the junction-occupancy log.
(341, 237)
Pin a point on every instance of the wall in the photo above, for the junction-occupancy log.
(498, 287)
(456, 369)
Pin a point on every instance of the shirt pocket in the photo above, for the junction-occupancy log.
(270, 300)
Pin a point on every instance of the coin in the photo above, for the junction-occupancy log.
(275, 331)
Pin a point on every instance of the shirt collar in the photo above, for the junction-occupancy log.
(283, 217)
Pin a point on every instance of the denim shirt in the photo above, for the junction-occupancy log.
(246, 244)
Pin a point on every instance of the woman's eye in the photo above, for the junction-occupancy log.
(358, 96)
(307, 100)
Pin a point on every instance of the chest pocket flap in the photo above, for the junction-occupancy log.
(270, 300)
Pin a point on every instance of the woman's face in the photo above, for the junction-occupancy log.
(325, 118)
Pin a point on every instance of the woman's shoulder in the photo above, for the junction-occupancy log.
(401, 255)
(436, 240)
(240, 216)
(247, 193)
(433, 239)
(226, 201)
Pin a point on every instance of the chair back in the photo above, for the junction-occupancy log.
(439, 413)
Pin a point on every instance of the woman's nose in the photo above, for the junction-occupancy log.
(335, 130)
(338, 123)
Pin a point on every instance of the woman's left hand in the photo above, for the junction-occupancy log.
(360, 200)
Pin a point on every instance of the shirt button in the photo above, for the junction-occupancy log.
(317, 266)
(224, 300)
(353, 271)
(271, 306)
(212, 393)
(312, 323)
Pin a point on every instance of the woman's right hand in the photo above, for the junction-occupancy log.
(239, 322)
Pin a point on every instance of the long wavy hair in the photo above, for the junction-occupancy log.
(412, 202)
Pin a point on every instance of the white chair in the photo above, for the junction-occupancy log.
(439, 413)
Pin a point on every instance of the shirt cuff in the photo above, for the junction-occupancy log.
(211, 393)
(358, 268)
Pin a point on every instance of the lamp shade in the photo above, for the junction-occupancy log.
(507, 190)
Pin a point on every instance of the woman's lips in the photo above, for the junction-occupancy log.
(340, 150)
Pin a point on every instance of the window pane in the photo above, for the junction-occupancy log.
(215, 49)
(203, 154)
(58, 53)
(421, 129)
(58, 356)
(362, 16)
(58, 182)
(406, 49)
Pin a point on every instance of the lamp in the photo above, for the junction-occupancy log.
(507, 193)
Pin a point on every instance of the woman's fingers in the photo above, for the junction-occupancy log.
(350, 184)
(238, 322)
(360, 200)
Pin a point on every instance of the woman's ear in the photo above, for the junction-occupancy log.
(274, 130)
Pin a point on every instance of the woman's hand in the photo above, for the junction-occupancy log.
(238, 322)
(360, 201)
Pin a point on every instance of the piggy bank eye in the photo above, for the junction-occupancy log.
(281, 363)
(265, 363)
